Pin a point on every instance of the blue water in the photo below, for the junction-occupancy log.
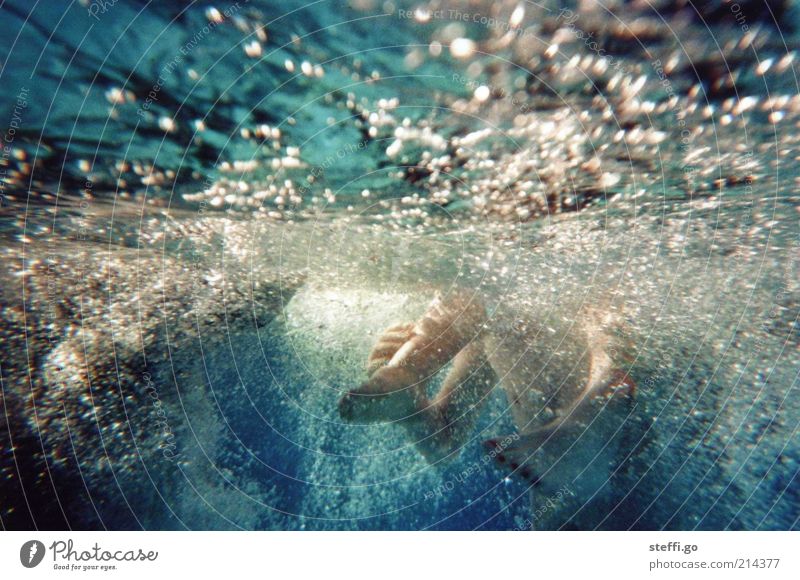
(210, 212)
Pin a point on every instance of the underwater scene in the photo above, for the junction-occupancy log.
(400, 265)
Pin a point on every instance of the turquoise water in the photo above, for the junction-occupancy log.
(210, 213)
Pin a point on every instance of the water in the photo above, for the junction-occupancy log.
(211, 212)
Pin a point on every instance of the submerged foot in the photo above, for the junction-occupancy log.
(405, 358)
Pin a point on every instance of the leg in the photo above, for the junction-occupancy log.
(604, 380)
(407, 356)
(388, 344)
(444, 426)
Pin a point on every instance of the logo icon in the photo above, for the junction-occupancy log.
(31, 553)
